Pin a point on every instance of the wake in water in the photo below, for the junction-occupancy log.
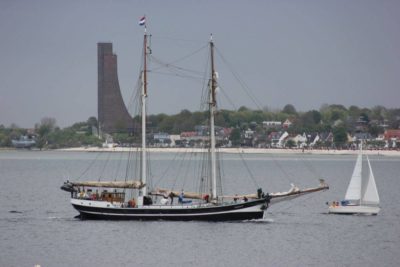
(256, 221)
(15, 211)
(263, 220)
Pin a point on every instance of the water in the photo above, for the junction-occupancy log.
(37, 224)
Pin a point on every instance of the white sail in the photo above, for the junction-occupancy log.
(110, 184)
(370, 195)
(361, 192)
(354, 189)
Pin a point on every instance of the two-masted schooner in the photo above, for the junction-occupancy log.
(111, 202)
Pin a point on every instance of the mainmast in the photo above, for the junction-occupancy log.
(361, 172)
(213, 106)
(143, 169)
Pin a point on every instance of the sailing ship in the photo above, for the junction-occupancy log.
(362, 195)
(158, 204)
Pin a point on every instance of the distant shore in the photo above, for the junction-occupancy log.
(393, 153)
(241, 150)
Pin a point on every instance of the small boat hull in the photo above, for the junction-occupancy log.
(101, 210)
(354, 209)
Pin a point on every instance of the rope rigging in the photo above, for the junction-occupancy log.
(178, 168)
(197, 79)
(248, 169)
(118, 167)
(280, 167)
(311, 168)
(245, 88)
(89, 166)
(172, 163)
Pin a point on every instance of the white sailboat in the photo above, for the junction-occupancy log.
(362, 194)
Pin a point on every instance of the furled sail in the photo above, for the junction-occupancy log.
(354, 189)
(111, 184)
(293, 192)
(370, 195)
(167, 193)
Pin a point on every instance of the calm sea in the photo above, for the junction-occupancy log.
(37, 224)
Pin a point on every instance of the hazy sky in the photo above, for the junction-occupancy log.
(302, 52)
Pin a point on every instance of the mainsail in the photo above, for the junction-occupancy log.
(354, 189)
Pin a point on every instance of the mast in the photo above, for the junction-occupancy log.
(362, 182)
(143, 169)
(213, 104)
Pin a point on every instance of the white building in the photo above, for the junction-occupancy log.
(272, 124)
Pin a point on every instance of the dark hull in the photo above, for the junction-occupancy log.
(215, 218)
(242, 211)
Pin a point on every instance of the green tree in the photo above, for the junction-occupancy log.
(290, 143)
(339, 136)
(235, 137)
(289, 109)
(243, 109)
(308, 120)
(92, 122)
(43, 129)
(375, 130)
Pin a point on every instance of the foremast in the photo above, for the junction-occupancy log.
(143, 168)
(213, 107)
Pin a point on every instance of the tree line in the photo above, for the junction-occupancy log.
(326, 118)
(329, 118)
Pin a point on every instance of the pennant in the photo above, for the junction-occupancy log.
(142, 21)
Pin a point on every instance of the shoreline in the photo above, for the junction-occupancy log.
(390, 153)
(394, 153)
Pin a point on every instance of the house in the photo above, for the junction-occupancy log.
(326, 137)
(282, 139)
(227, 132)
(161, 138)
(109, 143)
(315, 140)
(248, 134)
(273, 138)
(361, 136)
(201, 130)
(175, 139)
(380, 123)
(300, 140)
(272, 124)
(392, 134)
(286, 124)
(361, 124)
(188, 135)
(277, 138)
(204, 130)
(392, 137)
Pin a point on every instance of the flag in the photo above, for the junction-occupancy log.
(142, 21)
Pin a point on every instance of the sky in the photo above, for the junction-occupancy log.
(301, 52)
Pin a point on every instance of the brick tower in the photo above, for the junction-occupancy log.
(113, 115)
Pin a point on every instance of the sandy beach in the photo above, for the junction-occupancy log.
(241, 150)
